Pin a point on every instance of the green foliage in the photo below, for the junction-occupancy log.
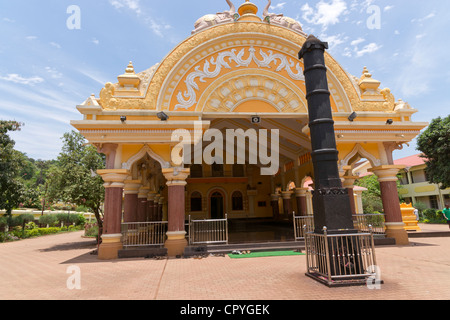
(433, 216)
(18, 233)
(24, 218)
(3, 223)
(11, 161)
(420, 206)
(371, 198)
(434, 143)
(72, 179)
(48, 219)
(91, 230)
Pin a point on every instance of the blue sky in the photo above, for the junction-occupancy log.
(47, 69)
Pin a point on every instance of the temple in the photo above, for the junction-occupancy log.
(237, 73)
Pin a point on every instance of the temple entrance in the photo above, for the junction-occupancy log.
(216, 206)
(242, 231)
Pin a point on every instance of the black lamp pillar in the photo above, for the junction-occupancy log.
(330, 200)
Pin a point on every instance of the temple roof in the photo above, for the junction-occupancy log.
(268, 45)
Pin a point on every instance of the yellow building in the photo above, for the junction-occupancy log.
(414, 181)
(417, 188)
(238, 70)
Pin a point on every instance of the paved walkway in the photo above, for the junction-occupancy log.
(38, 269)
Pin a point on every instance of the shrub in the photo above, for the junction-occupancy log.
(433, 216)
(81, 220)
(91, 230)
(24, 218)
(7, 236)
(49, 219)
(3, 223)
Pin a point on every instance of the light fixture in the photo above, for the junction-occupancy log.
(162, 116)
(352, 117)
(256, 119)
(123, 118)
(389, 121)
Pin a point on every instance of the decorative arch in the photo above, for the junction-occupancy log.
(144, 151)
(230, 47)
(228, 92)
(264, 46)
(358, 150)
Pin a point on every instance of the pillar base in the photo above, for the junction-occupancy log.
(110, 246)
(397, 231)
(176, 243)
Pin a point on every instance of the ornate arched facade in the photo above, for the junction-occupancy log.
(234, 66)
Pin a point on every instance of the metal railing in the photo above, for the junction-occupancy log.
(214, 231)
(361, 222)
(143, 234)
(340, 259)
(364, 222)
(300, 223)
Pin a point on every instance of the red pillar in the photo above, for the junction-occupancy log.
(176, 235)
(395, 227)
(131, 191)
(300, 194)
(112, 237)
(142, 205)
(287, 208)
(113, 210)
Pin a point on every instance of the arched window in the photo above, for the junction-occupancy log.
(196, 202)
(237, 201)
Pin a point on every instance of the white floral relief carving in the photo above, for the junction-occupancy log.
(189, 98)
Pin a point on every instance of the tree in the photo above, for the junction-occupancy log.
(11, 161)
(72, 179)
(434, 143)
(371, 198)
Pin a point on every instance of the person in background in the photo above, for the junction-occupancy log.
(416, 213)
(446, 213)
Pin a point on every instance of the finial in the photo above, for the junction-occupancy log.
(130, 68)
(366, 73)
(248, 11)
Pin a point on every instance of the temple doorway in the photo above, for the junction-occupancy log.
(216, 205)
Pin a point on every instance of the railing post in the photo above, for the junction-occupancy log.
(295, 225)
(327, 253)
(189, 230)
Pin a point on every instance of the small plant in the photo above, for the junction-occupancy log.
(48, 220)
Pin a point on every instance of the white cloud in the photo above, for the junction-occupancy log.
(420, 36)
(427, 17)
(55, 74)
(325, 13)
(133, 5)
(95, 41)
(370, 48)
(357, 41)
(334, 40)
(278, 6)
(387, 8)
(15, 78)
(56, 45)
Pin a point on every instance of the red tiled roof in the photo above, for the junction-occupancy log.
(411, 161)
